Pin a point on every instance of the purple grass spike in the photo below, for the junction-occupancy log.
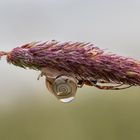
(75, 64)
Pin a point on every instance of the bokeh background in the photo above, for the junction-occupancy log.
(28, 111)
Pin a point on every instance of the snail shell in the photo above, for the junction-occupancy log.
(63, 87)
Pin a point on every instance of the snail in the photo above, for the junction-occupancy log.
(63, 87)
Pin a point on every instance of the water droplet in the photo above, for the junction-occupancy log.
(66, 100)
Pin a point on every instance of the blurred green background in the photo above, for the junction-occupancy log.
(94, 114)
(28, 111)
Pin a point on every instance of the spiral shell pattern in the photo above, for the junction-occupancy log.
(63, 87)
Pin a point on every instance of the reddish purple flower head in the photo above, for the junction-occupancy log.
(68, 65)
(76, 64)
(83, 60)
